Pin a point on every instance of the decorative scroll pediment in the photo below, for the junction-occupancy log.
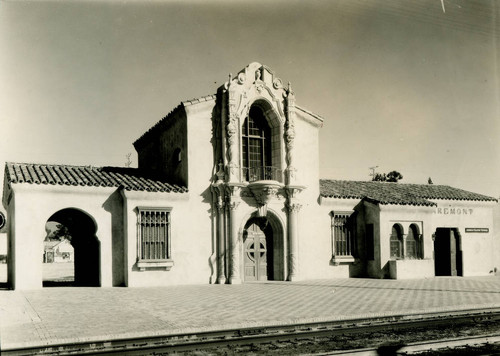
(256, 82)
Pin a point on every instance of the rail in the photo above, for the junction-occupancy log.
(252, 174)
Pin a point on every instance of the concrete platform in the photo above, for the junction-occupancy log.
(75, 314)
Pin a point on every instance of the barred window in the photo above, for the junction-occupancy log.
(343, 235)
(154, 245)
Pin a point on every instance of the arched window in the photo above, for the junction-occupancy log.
(256, 146)
(396, 242)
(411, 243)
(414, 247)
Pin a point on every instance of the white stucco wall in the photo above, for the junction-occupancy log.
(496, 237)
(200, 148)
(478, 248)
(315, 252)
(34, 204)
(191, 245)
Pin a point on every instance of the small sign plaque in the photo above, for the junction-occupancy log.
(477, 229)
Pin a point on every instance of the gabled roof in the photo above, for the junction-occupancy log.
(51, 174)
(396, 193)
(166, 119)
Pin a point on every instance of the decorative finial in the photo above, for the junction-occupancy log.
(257, 74)
(220, 172)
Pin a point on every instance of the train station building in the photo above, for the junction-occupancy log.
(227, 190)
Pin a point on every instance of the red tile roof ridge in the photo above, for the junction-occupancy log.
(398, 193)
(106, 176)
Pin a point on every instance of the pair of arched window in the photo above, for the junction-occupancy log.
(410, 247)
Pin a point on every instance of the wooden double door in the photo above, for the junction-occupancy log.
(258, 251)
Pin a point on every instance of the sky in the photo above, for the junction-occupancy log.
(402, 85)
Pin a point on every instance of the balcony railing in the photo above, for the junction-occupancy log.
(253, 174)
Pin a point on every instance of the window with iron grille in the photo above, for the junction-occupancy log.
(343, 228)
(154, 238)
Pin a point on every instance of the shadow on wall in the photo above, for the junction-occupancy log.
(114, 206)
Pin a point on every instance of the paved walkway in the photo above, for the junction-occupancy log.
(72, 314)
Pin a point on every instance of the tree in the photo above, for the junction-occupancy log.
(379, 177)
(60, 233)
(392, 176)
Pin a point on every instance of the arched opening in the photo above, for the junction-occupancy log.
(260, 145)
(71, 250)
(397, 242)
(263, 250)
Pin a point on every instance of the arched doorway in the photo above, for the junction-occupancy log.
(76, 228)
(263, 251)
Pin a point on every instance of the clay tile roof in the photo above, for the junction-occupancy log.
(199, 100)
(395, 193)
(128, 178)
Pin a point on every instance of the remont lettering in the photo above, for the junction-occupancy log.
(454, 211)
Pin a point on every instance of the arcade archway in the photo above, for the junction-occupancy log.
(75, 228)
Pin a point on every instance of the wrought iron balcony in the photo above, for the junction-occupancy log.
(253, 174)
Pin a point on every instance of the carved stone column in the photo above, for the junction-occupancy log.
(232, 135)
(405, 253)
(221, 250)
(293, 240)
(234, 275)
(293, 208)
(290, 170)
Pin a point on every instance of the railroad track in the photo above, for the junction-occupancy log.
(418, 347)
(167, 344)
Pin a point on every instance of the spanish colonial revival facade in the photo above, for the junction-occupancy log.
(228, 191)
